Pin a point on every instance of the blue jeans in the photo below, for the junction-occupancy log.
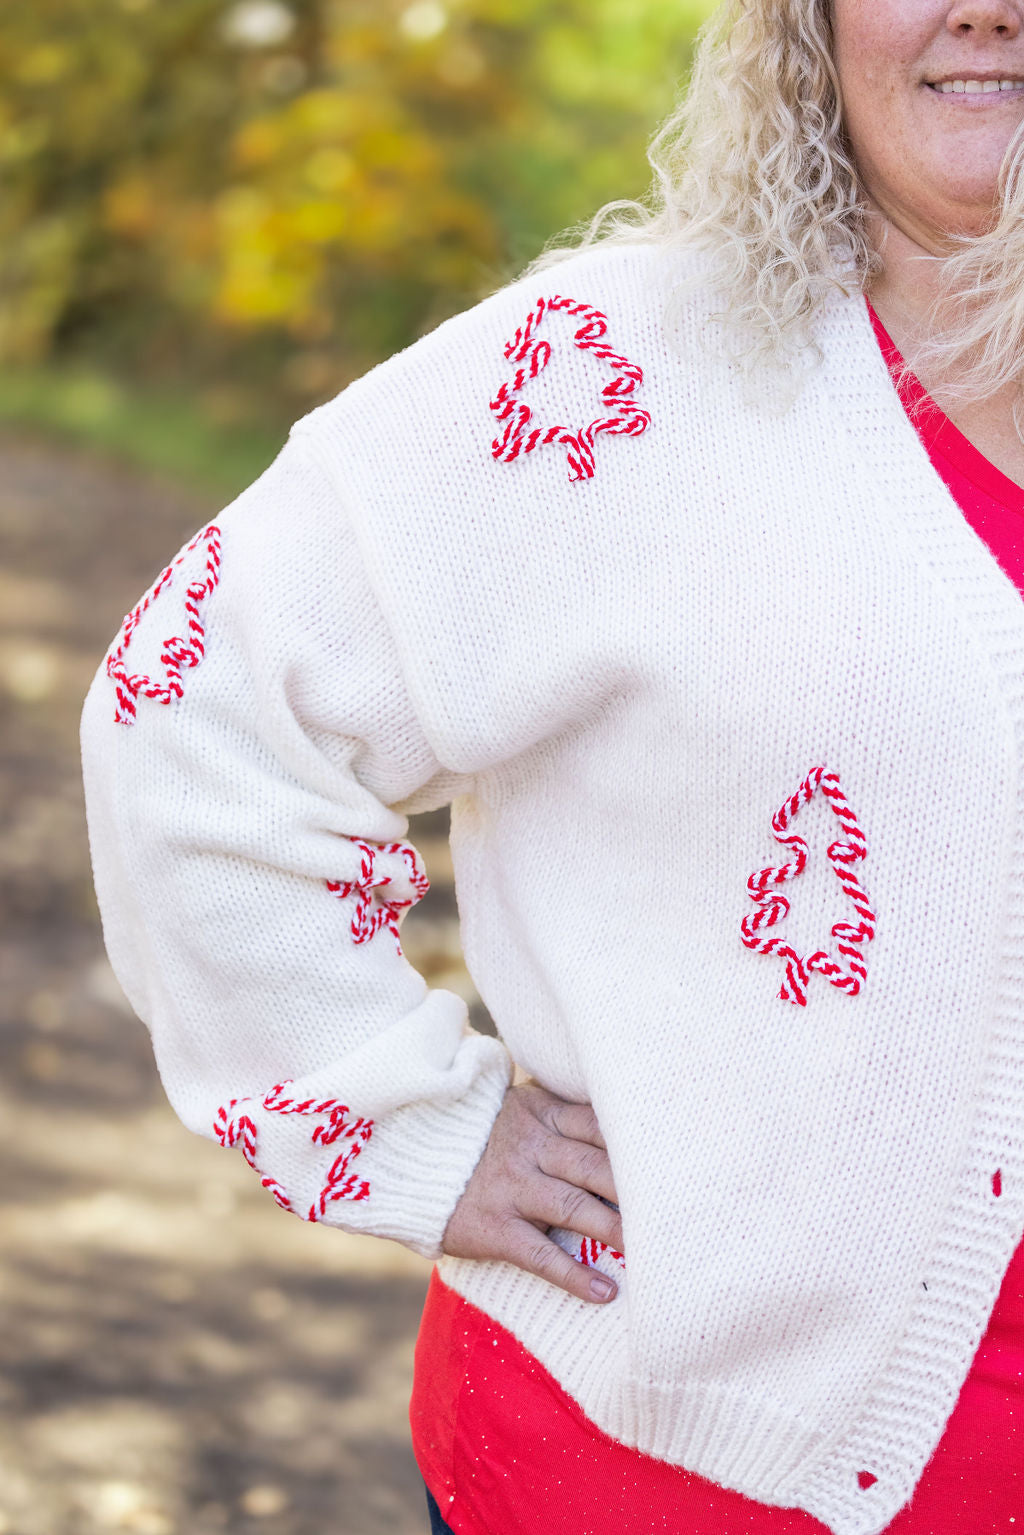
(437, 1524)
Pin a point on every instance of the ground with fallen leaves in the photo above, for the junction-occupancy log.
(178, 1356)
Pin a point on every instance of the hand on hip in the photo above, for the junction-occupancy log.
(545, 1164)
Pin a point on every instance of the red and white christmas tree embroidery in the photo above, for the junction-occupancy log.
(393, 868)
(235, 1126)
(620, 414)
(848, 970)
(179, 652)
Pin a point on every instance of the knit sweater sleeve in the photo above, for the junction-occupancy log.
(246, 744)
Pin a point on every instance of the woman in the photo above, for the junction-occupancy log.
(716, 653)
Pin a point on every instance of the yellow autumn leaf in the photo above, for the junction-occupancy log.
(318, 222)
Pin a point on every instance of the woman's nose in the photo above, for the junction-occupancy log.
(998, 18)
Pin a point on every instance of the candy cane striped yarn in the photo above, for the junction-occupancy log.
(625, 416)
(232, 1130)
(370, 915)
(590, 1250)
(177, 654)
(847, 973)
(239, 1129)
(340, 1183)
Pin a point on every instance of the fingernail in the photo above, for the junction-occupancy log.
(601, 1288)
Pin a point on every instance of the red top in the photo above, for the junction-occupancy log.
(505, 1451)
(988, 498)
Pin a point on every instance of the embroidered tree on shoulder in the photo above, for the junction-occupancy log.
(848, 970)
(621, 415)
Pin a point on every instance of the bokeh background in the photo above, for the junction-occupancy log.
(213, 216)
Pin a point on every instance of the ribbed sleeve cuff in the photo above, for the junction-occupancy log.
(398, 1174)
(422, 1156)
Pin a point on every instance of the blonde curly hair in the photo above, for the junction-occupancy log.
(754, 170)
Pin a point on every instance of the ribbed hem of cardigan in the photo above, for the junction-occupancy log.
(751, 1447)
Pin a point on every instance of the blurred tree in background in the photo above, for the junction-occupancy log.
(263, 198)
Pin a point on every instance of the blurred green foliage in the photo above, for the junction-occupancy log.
(263, 198)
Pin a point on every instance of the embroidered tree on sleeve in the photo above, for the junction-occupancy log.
(179, 652)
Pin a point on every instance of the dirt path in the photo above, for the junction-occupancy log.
(177, 1355)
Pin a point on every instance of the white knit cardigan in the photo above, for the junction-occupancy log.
(672, 673)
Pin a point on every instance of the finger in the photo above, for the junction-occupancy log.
(577, 1122)
(531, 1250)
(555, 1203)
(577, 1162)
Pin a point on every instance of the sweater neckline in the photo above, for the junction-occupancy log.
(940, 435)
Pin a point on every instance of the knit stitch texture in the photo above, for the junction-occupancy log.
(616, 679)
